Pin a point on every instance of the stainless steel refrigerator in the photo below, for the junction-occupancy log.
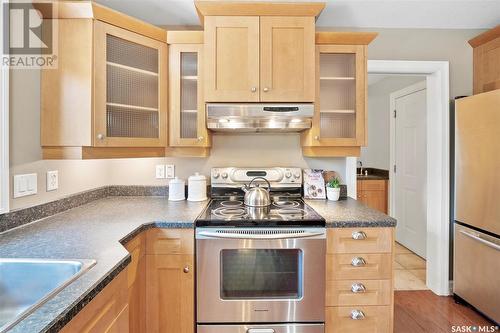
(476, 267)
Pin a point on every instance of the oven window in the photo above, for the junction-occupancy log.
(256, 273)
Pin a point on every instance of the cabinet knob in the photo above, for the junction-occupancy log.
(186, 269)
(200, 138)
(358, 262)
(266, 89)
(357, 315)
(316, 138)
(358, 288)
(358, 235)
(254, 89)
(100, 136)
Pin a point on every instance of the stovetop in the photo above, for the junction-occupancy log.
(283, 212)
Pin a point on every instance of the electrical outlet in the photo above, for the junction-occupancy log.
(25, 185)
(170, 170)
(160, 171)
(52, 180)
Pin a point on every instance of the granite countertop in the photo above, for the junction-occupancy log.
(373, 174)
(372, 177)
(350, 213)
(92, 231)
(98, 229)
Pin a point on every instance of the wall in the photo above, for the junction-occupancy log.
(76, 176)
(376, 155)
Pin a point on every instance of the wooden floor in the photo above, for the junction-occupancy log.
(423, 311)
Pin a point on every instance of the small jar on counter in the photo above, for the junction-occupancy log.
(197, 187)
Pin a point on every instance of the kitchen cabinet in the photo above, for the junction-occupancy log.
(170, 281)
(187, 125)
(359, 280)
(486, 60)
(105, 98)
(266, 55)
(136, 283)
(339, 122)
(374, 194)
(107, 312)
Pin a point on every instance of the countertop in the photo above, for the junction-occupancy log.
(96, 231)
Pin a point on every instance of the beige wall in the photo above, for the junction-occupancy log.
(265, 150)
(376, 155)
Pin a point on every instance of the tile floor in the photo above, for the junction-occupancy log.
(409, 270)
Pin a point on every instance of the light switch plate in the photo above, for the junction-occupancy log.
(160, 171)
(25, 185)
(52, 180)
(170, 170)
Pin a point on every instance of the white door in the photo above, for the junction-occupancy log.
(410, 206)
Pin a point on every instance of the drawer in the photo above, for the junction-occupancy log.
(373, 185)
(170, 241)
(359, 240)
(352, 266)
(358, 292)
(375, 319)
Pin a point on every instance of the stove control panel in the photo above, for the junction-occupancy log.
(278, 176)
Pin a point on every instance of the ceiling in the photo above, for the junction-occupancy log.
(436, 14)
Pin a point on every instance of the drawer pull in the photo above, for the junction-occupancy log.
(358, 262)
(358, 235)
(357, 315)
(358, 288)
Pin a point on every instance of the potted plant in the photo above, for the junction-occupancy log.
(333, 189)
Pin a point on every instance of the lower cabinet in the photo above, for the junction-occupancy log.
(374, 194)
(108, 312)
(136, 283)
(170, 293)
(359, 280)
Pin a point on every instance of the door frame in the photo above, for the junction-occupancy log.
(438, 162)
(392, 141)
(4, 132)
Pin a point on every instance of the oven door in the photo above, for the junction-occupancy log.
(255, 275)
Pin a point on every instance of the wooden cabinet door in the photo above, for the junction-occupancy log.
(170, 293)
(187, 126)
(287, 58)
(136, 281)
(340, 117)
(231, 59)
(130, 76)
(487, 66)
(373, 193)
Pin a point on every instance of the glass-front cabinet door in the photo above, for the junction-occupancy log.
(340, 116)
(130, 72)
(186, 104)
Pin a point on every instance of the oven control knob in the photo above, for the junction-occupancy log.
(296, 175)
(288, 174)
(224, 175)
(216, 175)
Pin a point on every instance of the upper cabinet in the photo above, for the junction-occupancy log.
(187, 122)
(339, 122)
(486, 60)
(106, 98)
(266, 54)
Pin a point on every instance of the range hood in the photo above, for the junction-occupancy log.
(259, 117)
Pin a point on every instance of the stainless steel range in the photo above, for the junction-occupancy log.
(260, 268)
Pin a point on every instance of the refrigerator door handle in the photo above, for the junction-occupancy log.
(479, 239)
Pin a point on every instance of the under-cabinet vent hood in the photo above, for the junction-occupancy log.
(258, 117)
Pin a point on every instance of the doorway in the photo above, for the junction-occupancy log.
(437, 163)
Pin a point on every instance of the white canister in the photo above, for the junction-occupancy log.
(176, 189)
(197, 187)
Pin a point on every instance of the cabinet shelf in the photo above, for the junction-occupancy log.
(338, 111)
(132, 107)
(190, 111)
(190, 77)
(133, 69)
(337, 78)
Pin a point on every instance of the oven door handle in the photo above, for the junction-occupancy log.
(242, 235)
(261, 330)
